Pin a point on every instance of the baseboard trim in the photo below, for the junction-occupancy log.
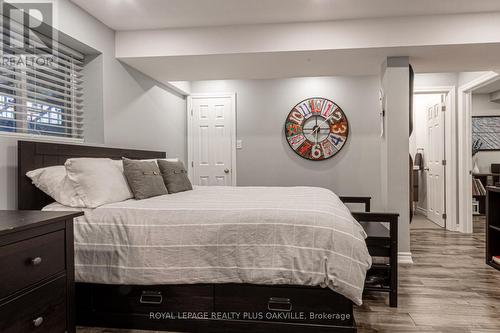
(421, 211)
(405, 258)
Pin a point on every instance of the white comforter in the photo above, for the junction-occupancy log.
(259, 235)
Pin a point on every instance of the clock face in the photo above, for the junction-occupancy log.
(316, 129)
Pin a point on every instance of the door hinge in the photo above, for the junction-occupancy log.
(191, 112)
(192, 164)
(444, 216)
(443, 162)
(443, 108)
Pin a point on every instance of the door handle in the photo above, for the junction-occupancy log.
(226, 170)
(426, 169)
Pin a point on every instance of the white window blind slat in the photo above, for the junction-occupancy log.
(37, 96)
(78, 107)
(40, 98)
(8, 114)
(39, 73)
(44, 88)
(43, 121)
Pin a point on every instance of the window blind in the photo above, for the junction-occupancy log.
(41, 87)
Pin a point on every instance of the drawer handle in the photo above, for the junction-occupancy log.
(279, 304)
(36, 261)
(38, 322)
(151, 297)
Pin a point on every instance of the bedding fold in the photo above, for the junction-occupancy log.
(258, 235)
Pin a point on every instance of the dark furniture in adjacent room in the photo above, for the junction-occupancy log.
(130, 306)
(479, 183)
(495, 169)
(37, 279)
(478, 192)
(492, 225)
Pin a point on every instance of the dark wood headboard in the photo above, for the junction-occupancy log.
(34, 155)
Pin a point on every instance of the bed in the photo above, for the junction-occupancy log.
(212, 259)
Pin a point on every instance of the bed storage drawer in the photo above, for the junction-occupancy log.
(293, 304)
(142, 300)
(40, 310)
(32, 260)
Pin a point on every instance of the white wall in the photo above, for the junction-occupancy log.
(436, 80)
(481, 106)
(395, 82)
(384, 32)
(266, 159)
(131, 100)
(119, 101)
(147, 116)
(466, 77)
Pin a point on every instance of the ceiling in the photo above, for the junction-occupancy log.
(157, 14)
(428, 59)
(488, 89)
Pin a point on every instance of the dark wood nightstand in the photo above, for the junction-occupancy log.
(37, 271)
(382, 244)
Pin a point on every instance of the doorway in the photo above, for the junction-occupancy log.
(431, 151)
(212, 139)
(479, 118)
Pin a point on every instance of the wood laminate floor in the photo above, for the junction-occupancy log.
(448, 289)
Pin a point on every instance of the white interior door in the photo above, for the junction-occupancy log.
(435, 164)
(212, 136)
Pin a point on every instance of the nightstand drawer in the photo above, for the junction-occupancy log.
(29, 261)
(40, 310)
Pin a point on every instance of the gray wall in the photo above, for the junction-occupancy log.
(147, 115)
(266, 159)
(395, 80)
(123, 108)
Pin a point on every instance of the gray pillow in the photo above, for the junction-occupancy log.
(175, 176)
(144, 178)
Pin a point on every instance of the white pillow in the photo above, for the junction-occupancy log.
(54, 182)
(98, 181)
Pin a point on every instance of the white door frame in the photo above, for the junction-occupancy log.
(450, 188)
(189, 114)
(465, 147)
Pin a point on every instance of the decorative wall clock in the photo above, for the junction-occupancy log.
(316, 129)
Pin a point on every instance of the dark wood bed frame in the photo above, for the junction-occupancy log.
(172, 307)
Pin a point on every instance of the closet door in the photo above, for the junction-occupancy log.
(435, 164)
(212, 140)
